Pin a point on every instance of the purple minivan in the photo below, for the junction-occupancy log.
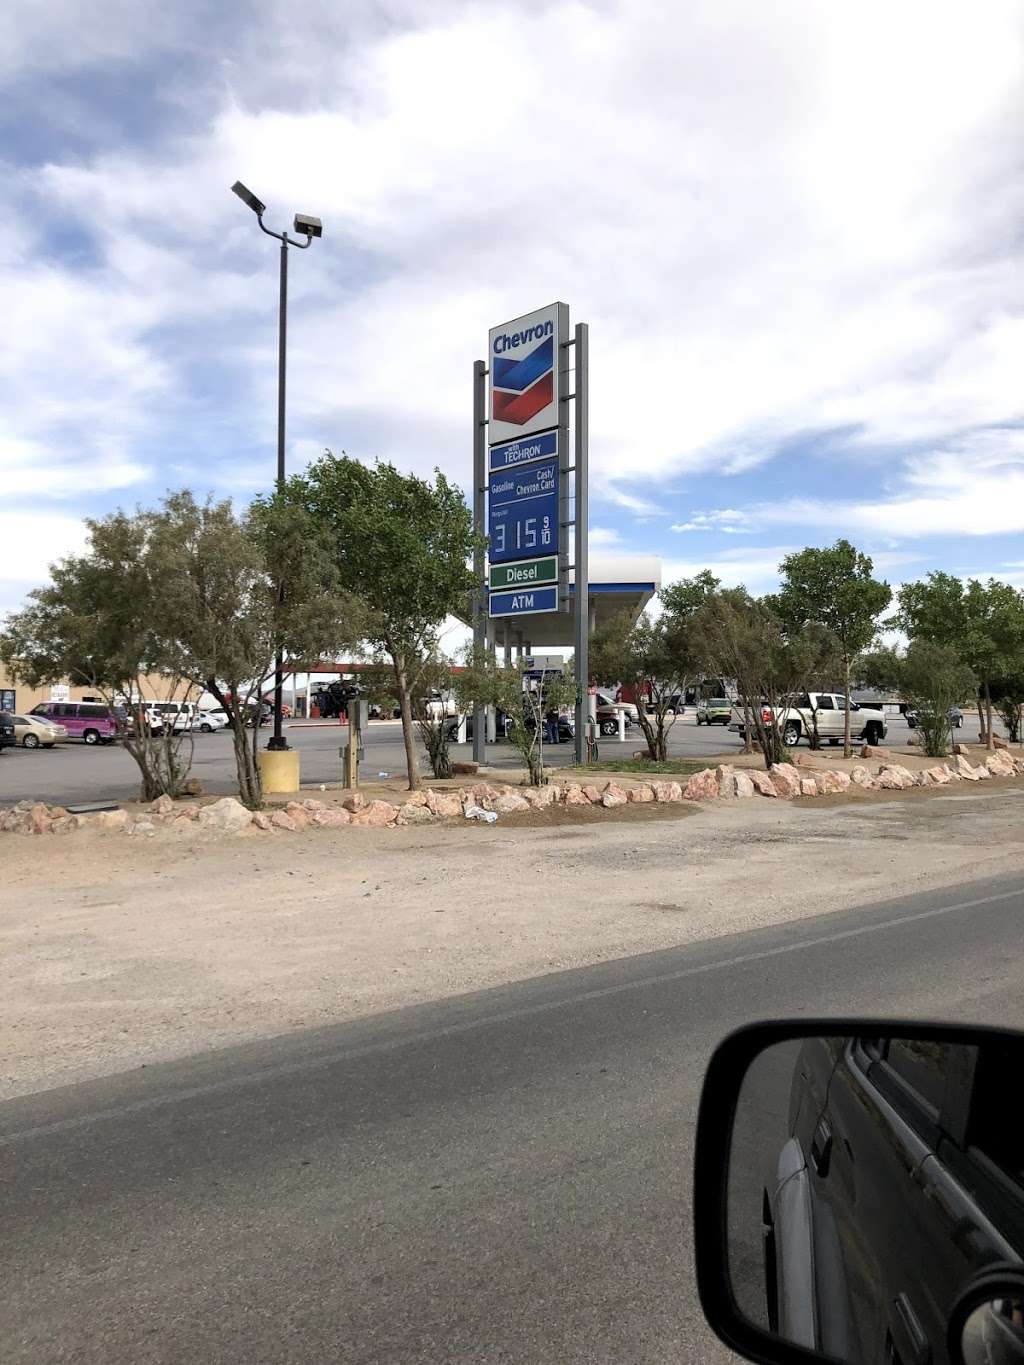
(90, 721)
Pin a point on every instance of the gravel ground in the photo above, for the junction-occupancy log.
(116, 952)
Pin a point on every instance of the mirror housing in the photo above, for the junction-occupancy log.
(774, 1110)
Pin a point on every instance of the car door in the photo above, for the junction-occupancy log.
(910, 1235)
(830, 721)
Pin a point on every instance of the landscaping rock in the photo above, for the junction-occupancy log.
(110, 821)
(192, 787)
(465, 769)
(509, 804)
(415, 799)
(1018, 765)
(725, 774)
(702, 786)
(940, 775)
(410, 814)
(642, 792)
(539, 798)
(744, 785)
(763, 783)
(613, 795)
(830, 783)
(999, 743)
(573, 795)
(592, 794)
(860, 777)
(1000, 764)
(260, 819)
(961, 749)
(302, 817)
(667, 791)
(874, 751)
(897, 778)
(963, 767)
(186, 812)
(786, 779)
(65, 824)
(37, 819)
(163, 805)
(143, 827)
(353, 801)
(282, 820)
(808, 786)
(483, 793)
(377, 814)
(332, 817)
(228, 816)
(445, 805)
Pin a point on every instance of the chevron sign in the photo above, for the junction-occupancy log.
(523, 373)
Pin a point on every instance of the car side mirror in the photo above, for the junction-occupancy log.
(859, 1193)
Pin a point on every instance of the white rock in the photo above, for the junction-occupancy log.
(227, 816)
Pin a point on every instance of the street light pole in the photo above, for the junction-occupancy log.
(309, 228)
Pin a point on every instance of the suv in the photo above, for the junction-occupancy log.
(925, 1125)
(714, 711)
(7, 736)
(90, 721)
(956, 718)
(823, 711)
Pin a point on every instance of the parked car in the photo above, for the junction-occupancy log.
(827, 711)
(902, 1159)
(33, 732)
(714, 711)
(90, 721)
(605, 698)
(208, 721)
(608, 715)
(7, 736)
(956, 718)
(676, 706)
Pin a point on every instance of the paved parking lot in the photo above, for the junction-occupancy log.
(72, 772)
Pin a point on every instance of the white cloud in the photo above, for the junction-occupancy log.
(728, 520)
(602, 537)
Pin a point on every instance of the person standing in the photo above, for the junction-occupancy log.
(551, 725)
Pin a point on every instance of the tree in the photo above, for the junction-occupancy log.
(1008, 699)
(432, 719)
(641, 655)
(834, 588)
(483, 680)
(98, 625)
(737, 636)
(235, 589)
(931, 678)
(403, 546)
(984, 623)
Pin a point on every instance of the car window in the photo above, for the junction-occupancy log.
(20, 720)
(991, 1130)
(825, 702)
(922, 1066)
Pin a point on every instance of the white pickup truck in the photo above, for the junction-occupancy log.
(827, 709)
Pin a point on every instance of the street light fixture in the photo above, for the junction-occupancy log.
(309, 228)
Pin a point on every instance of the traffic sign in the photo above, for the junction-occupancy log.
(522, 512)
(514, 453)
(524, 601)
(525, 573)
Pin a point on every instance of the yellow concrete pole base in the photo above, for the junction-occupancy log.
(279, 770)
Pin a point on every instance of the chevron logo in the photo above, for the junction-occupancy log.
(521, 388)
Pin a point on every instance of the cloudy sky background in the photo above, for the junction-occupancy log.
(793, 228)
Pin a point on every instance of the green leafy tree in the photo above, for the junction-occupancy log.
(403, 546)
(983, 622)
(834, 588)
(437, 686)
(486, 682)
(235, 589)
(931, 678)
(738, 636)
(98, 624)
(1008, 699)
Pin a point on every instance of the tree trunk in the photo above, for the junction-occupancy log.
(408, 733)
(250, 786)
(651, 735)
(989, 743)
(847, 746)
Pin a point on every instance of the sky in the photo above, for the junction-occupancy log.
(794, 230)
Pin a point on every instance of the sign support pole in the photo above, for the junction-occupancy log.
(563, 457)
(582, 519)
(479, 528)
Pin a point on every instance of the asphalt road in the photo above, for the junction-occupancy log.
(501, 1177)
(73, 772)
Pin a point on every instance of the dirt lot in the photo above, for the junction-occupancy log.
(115, 952)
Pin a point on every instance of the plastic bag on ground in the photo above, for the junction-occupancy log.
(478, 813)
